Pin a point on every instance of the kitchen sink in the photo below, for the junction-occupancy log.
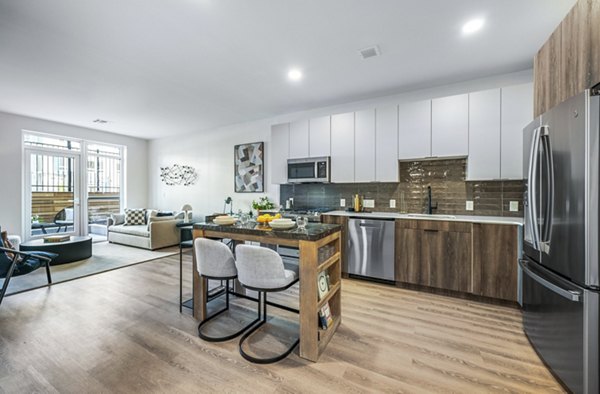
(433, 215)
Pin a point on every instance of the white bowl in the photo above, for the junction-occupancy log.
(282, 226)
(282, 221)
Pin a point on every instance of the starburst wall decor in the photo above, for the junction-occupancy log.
(178, 175)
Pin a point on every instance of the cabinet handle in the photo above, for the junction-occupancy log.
(431, 230)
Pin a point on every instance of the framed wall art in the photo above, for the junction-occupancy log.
(249, 167)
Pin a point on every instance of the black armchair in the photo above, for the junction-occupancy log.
(22, 263)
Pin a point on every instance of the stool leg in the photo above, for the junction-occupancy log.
(227, 337)
(255, 328)
(180, 279)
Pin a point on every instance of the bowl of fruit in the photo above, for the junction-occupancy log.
(266, 218)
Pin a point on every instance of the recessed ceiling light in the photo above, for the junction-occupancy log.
(294, 74)
(102, 121)
(472, 26)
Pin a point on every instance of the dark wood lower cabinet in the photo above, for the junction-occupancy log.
(434, 254)
(408, 254)
(495, 260)
(479, 259)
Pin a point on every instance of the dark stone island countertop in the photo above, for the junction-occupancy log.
(312, 232)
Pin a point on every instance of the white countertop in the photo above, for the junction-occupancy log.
(445, 218)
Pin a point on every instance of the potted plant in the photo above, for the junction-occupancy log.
(263, 205)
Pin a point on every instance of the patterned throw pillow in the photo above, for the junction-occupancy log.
(135, 217)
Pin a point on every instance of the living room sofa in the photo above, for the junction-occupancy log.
(159, 232)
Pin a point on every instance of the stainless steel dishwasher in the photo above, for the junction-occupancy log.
(371, 248)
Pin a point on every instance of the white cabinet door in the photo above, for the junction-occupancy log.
(364, 146)
(386, 144)
(517, 112)
(299, 139)
(342, 147)
(280, 149)
(414, 130)
(320, 136)
(484, 135)
(450, 126)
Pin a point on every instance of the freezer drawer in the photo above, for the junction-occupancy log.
(371, 248)
(561, 322)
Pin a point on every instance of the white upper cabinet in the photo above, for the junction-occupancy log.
(299, 139)
(517, 112)
(386, 144)
(320, 136)
(450, 126)
(414, 130)
(484, 135)
(364, 146)
(342, 147)
(280, 150)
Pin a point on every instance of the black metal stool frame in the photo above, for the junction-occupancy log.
(227, 292)
(262, 319)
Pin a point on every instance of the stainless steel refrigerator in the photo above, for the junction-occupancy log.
(560, 284)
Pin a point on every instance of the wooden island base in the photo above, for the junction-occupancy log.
(317, 237)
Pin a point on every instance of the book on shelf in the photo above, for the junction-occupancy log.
(325, 317)
(56, 238)
(322, 284)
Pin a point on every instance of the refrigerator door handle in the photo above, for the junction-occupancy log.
(571, 295)
(549, 163)
(532, 187)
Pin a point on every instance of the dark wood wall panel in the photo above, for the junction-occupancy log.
(569, 62)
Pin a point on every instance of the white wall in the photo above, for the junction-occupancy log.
(211, 152)
(12, 160)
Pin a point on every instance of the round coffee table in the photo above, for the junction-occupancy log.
(75, 249)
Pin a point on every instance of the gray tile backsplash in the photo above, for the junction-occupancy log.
(448, 185)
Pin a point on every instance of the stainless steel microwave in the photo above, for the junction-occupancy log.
(313, 169)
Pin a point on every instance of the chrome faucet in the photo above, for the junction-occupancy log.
(430, 206)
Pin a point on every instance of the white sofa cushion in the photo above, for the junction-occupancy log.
(140, 231)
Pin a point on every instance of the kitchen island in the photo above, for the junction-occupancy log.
(320, 251)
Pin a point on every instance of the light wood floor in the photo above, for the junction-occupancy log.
(121, 331)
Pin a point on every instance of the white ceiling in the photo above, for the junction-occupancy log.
(156, 68)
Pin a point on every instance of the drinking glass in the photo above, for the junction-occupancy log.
(301, 222)
(244, 219)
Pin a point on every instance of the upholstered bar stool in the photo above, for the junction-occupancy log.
(214, 260)
(261, 269)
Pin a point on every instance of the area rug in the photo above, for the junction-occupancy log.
(105, 257)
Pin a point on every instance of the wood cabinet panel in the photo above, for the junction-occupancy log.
(409, 266)
(569, 61)
(280, 145)
(343, 221)
(495, 261)
(547, 74)
(434, 254)
(447, 254)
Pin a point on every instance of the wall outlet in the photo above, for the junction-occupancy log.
(514, 206)
(369, 203)
(392, 203)
(342, 202)
(469, 206)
